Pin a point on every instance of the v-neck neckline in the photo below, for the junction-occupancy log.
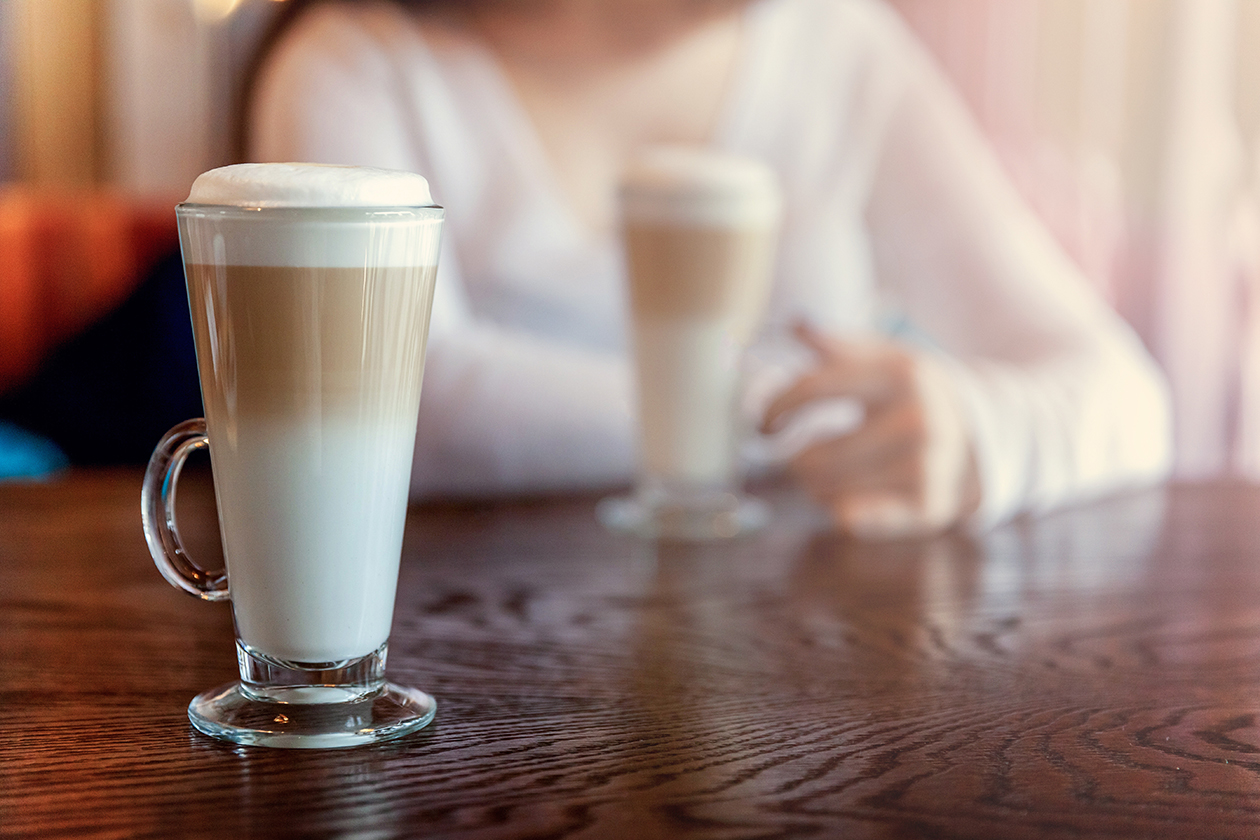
(523, 136)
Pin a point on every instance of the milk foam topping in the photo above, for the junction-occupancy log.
(315, 222)
(309, 185)
(692, 185)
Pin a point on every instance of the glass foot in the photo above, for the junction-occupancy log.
(231, 713)
(719, 517)
(279, 703)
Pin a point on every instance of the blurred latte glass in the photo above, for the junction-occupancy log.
(700, 232)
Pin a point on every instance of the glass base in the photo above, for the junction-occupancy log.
(310, 705)
(718, 517)
(230, 714)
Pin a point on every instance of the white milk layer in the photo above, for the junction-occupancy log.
(688, 380)
(312, 524)
(296, 238)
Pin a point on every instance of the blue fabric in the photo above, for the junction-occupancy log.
(24, 456)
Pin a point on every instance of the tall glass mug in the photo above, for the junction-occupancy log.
(310, 290)
(700, 232)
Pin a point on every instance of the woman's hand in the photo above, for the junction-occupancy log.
(909, 469)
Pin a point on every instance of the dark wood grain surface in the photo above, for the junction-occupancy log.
(1093, 673)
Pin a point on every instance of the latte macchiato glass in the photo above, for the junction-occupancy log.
(310, 289)
(700, 232)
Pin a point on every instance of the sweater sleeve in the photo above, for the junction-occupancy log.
(504, 410)
(1063, 399)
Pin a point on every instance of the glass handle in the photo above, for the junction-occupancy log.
(157, 512)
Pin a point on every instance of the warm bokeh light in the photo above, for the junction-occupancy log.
(214, 11)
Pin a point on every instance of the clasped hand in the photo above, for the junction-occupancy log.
(909, 469)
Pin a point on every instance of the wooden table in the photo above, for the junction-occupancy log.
(1094, 673)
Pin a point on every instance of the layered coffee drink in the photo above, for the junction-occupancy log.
(310, 289)
(311, 360)
(700, 230)
(321, 397)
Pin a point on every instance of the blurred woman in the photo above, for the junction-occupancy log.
(992, 379)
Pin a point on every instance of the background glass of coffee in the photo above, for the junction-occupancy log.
(310, 291)
(700, 232)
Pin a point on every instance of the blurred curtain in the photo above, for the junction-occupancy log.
(6, 91)
(1131, 128)
(51, 88)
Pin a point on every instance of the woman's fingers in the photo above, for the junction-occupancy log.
(884, 453)
(815, 339)
(873, 372)
(908, 469)
(872, 492)
(882, 516)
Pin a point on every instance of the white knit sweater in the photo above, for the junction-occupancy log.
(897, 218)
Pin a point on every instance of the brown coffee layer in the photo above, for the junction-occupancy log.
(697, 272)
(292, 341)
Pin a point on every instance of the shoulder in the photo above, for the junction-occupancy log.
(853, 32)
(345, 23)
(866, 13)
(336, 86)
(840, 67)
(342, 39)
